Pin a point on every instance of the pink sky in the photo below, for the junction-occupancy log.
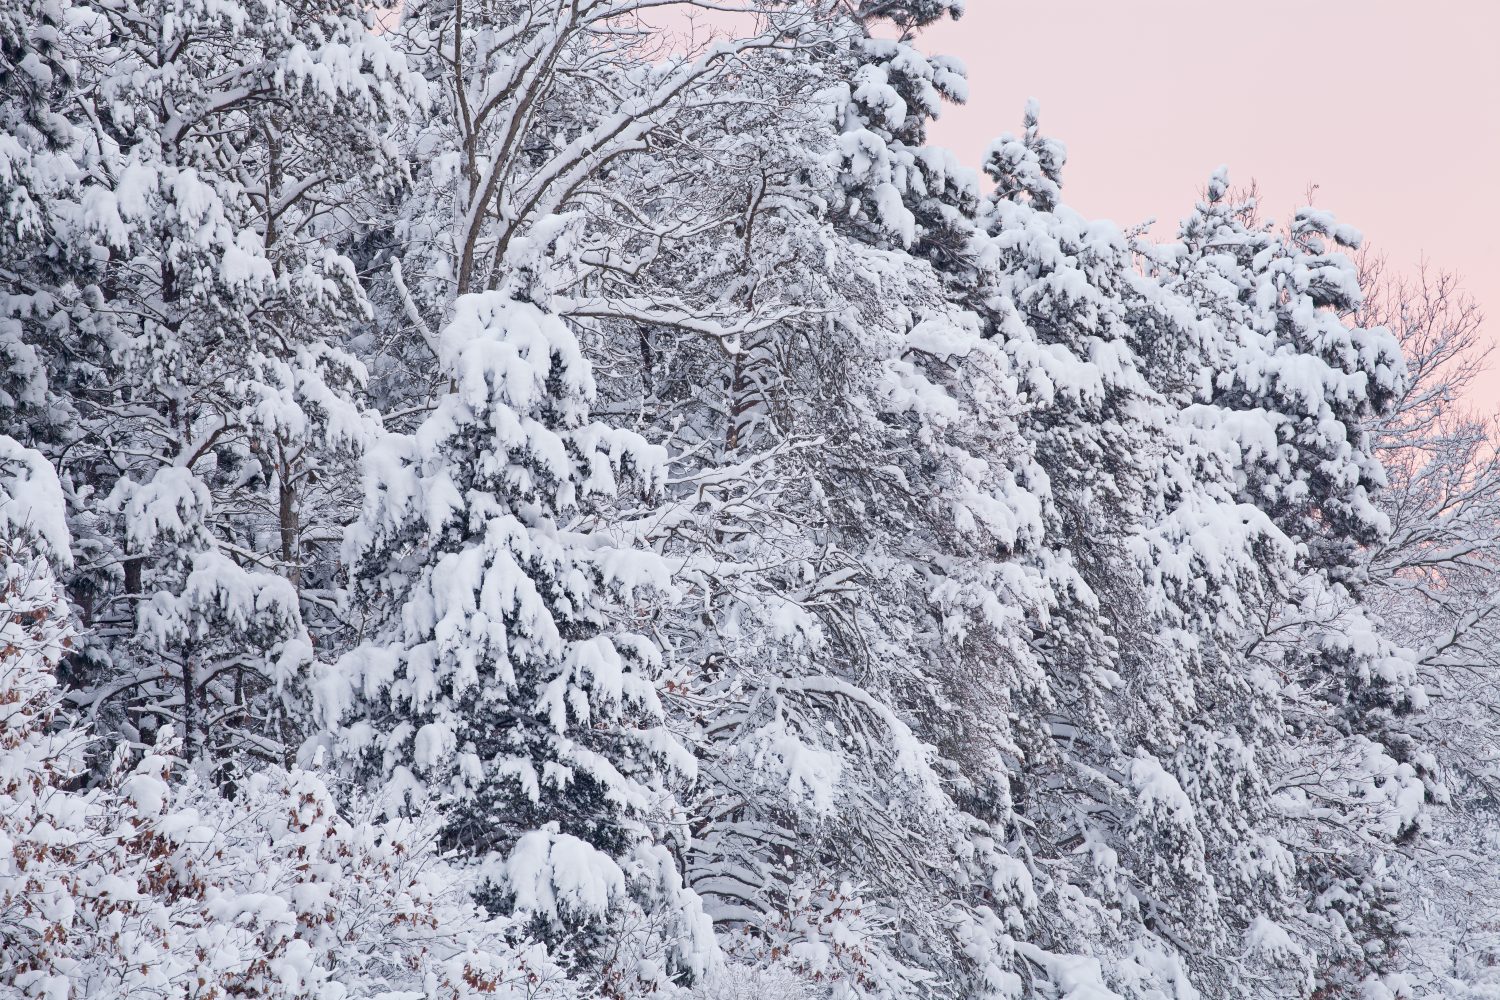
(1392, 107)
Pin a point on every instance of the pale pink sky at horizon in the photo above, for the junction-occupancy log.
(1391, 107)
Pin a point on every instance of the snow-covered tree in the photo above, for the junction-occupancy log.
(893, 188)
(156, 882)
(505, 676)
(1431, 590)
(500, 679)
(187, 311)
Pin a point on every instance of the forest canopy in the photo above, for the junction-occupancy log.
(579, 498)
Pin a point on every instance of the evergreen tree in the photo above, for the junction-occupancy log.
(499, 680)
(204, 398)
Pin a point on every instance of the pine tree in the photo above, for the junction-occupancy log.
(895, 190)
(204, 399)
(500, 681)
(1291, 379)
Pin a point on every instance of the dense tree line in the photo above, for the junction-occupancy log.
(566, 498)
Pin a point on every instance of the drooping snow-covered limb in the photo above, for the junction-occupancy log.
(729, 327)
